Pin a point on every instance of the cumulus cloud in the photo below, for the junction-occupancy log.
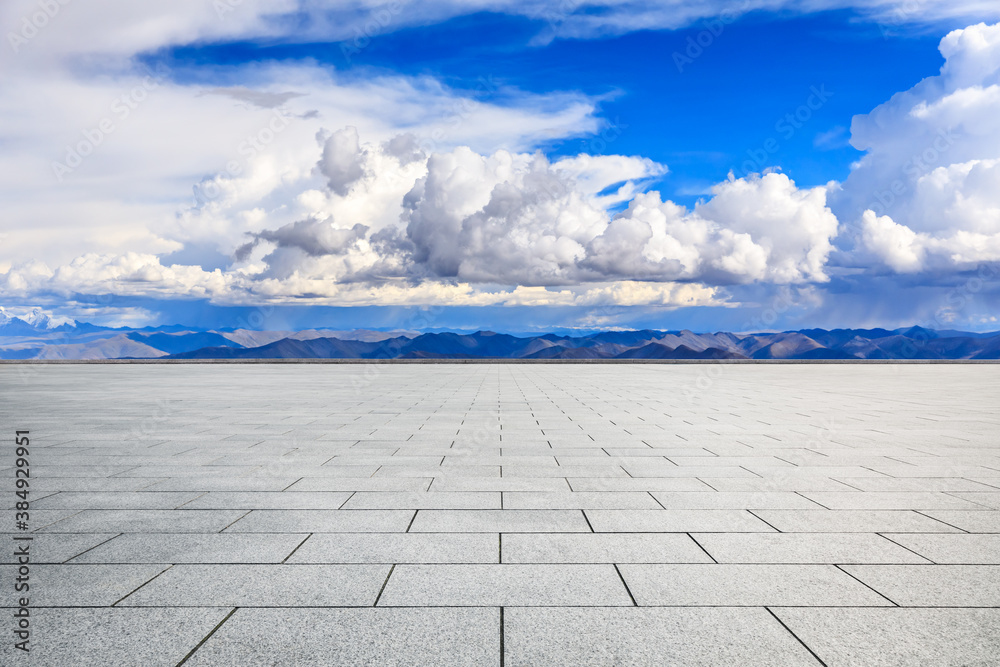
(758, 228)
(342, 162)
(926, 195)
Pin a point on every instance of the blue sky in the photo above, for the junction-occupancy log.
(513, 166)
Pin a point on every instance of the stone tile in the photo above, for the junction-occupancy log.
(352, 484)
(889, 501)
(674, 521)
(770, 484)
(205, 483)
(898, 637)
(262, 586)
(977, 521)
(602, 637)
(82, 585)
(399, 548)
(115, 501)
(804, 548)
(647, 484)
(384, 637)
(746, 585)
(504, 585)
(458, 484)
(715, 500)
(914, 484)
(955, 549)
(260, 500)
(602, 548)
(579, 500)
(112, 636)
(423, 501)
(499, 521)
(852, 521)
(933, 585)
(145, 521)
(606, 470)
(52, 548)
(323, 521)
(989, 499)
(188, 548)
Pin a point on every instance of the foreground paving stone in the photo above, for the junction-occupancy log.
(602, 548)
(898, 637)
(653, 519)
(391, 637)
(399, 548)
(632, 636)
(933, 585)
(262, 586)
(113, 636)
(746, 585)
(204, 548)
(500, 585)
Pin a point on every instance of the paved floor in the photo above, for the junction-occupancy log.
(507, 514)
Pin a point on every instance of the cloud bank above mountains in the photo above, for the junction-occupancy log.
(295, 183)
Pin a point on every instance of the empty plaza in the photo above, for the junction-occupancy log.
(505, 514)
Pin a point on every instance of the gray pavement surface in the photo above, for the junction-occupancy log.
(505, 514)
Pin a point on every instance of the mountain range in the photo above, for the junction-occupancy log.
(34, 337)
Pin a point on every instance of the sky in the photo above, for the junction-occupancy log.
(515, 166)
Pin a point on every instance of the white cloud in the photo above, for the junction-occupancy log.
(926, 196)
(759, 228)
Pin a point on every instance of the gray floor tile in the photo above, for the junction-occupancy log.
(261, 500)
(499, 521)
(898, 637)
(746, 585)
(389, 637)
(674, 521)
(323, 521)
(579, 500)
(502, 585)
(443, 500)
(958, 548)
(45, 548)
(631, 484)
(853, 521)
(975, 521)
(643, 636)
(602, 548)
(352, 484)
(933, 585)
(82, 585)
(399, 548)
(145, 521)
(737, 501)
(188, 548)
(122, 500)
(889, 501)
(262, 586)
(112, 636)
(805, 548)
